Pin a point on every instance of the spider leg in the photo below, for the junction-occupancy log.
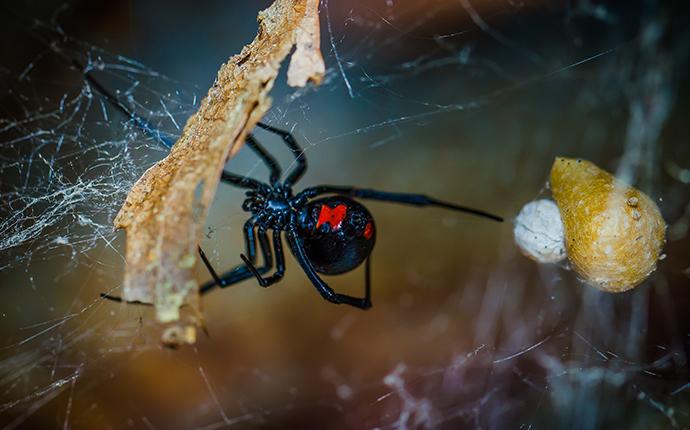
(238, 274)
(271, 162)
(367, 280)
(241, 272)
(384, 196)
(114, 101)
(208, 265)
(296, 150)
(119, 299)
(249, 244)
(244, 182)
(321, 286)
(163, 138)
(240, 181)
(280, 263)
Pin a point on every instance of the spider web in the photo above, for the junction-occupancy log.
(465, 100)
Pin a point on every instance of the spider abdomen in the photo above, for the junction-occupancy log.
(339, 234)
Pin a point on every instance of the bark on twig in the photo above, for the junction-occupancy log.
(166, 209)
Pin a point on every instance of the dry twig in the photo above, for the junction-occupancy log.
(166, 209)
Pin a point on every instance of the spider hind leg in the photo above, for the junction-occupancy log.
(280, 264)
(241, 272)
(321, 286)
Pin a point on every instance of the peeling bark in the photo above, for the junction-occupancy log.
(165, 211)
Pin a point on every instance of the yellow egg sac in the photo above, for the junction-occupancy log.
(614, 233)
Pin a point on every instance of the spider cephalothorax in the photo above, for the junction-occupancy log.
(272, 207)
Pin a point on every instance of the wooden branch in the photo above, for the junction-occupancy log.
(166, 209)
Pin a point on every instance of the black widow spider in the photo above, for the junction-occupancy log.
(328, 235)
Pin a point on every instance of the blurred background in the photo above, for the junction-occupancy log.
(468, 101)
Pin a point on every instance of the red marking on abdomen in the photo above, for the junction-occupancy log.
(334, 217)
(368, 230)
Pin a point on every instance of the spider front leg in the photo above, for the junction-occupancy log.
(385, 196)
(321, 286)
(244, 182)
(297, 152)
(280, 263)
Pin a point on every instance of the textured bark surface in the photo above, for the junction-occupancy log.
(166, 209)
